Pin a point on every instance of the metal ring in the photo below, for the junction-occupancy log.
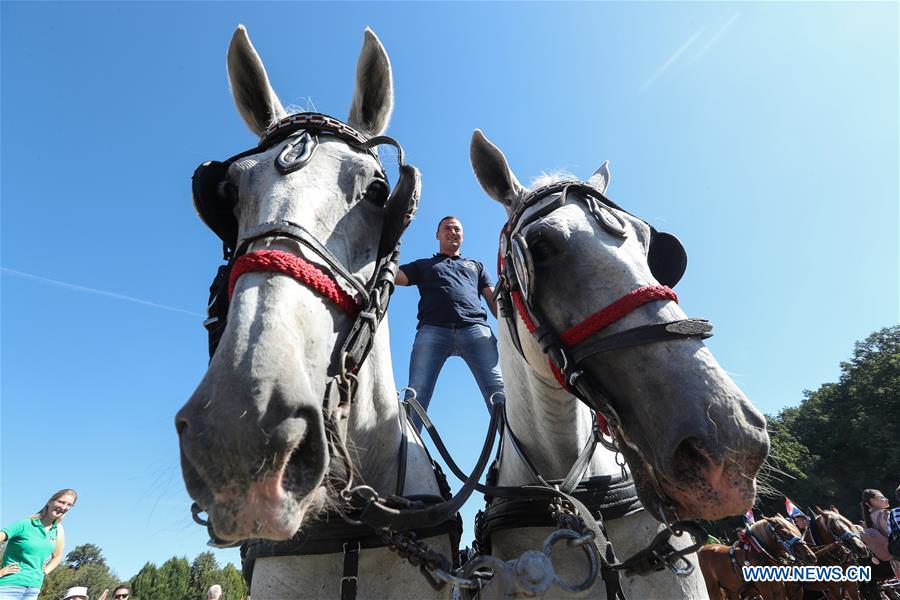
(286, 164)
(590, 551)
(415, 394)
(195, 514)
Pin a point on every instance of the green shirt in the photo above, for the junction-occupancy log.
(30, 545)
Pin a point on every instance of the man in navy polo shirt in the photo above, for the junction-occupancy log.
(452, 321)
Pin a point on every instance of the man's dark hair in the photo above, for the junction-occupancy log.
(448, 217)
(122, 587)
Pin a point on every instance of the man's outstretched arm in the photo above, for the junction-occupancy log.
(401, 278)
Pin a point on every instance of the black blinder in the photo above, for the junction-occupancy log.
(213, 206)
(667, 258)
(400, 208)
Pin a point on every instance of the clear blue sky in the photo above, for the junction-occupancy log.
(765, 135)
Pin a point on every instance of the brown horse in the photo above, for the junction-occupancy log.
(835, 542)
(769, 541)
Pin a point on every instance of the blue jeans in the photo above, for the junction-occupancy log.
(19, 592)
(474, 343)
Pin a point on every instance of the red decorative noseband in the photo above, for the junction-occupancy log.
(277, 261)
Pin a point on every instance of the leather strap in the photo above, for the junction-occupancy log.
(659, 332)
(350, 576)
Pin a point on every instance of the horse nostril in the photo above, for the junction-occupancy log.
(691, 456)
(181, 425)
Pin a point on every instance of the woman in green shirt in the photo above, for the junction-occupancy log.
(34, 548)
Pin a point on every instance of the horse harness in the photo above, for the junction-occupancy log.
(838, 541)
(752, 544)
(575, 506)
(398, 521)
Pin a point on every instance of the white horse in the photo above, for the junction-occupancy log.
(692, 440)
(255, 446)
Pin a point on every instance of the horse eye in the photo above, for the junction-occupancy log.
(228, 190)
(541, 250)
(377, 192)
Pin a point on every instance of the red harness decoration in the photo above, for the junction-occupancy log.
(603, 318)
(277, 261)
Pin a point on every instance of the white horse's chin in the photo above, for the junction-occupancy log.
(265, 511)
(713, 500)
(712, 493)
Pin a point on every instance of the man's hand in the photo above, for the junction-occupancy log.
(401, 278)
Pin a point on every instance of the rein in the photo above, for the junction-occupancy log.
(573, 505)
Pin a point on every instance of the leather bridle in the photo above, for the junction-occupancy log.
(568, 351)
(366, 304)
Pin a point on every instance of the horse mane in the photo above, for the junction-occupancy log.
(760, 531)
(787, 525)
(546, 178)
(836, 515)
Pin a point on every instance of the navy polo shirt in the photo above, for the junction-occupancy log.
(449, 288)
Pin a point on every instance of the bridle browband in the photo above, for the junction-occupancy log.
(568, 351)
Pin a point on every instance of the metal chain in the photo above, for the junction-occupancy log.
(433, 565)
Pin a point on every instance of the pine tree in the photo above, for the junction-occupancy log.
(204, 573)
(173, 580)
(143, 585)
(233, 585)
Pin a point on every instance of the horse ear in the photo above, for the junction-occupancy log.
(253, 95)
(373, 95)
(818, 509)
(600, 179)
(492, 171)
(834, 509)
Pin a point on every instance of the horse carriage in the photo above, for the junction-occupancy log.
(295, 438)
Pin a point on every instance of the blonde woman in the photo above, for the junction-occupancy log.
(34, 548)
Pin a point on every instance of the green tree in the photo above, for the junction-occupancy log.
(85, 554)
(56, 583)
(851, 428)
(204, 573)
(233, 585)
(143, 585)
(173, 580)
(85, 565)
(95, 577)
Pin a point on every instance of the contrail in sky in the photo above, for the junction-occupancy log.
(81, 288)
(716, 37)
(665, 66)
